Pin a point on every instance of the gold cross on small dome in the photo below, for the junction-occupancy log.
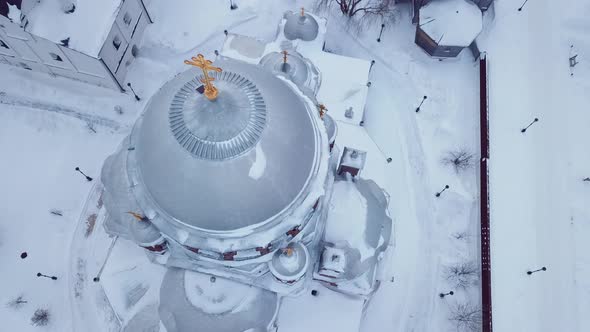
(285, 53)
(323, 110)
(136, 215)
(211, 92)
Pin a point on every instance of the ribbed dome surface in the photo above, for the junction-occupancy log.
(242, 183)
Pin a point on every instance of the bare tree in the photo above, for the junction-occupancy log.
(461, 236)
(466, 317)
(460, 160)
(365, 11)
(462, 275)
(68, 6)
(17, 303)
(40, 317)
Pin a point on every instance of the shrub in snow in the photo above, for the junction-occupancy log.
(460, 160)
(463, 274)
(17, 303)
(362, 13)
(461, 235)
(68, 6)
(40, 317)
(466, 317)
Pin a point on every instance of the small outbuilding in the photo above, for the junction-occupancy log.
(446, 27)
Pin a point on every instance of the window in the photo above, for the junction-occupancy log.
(3, 45)
(55, 57)
(127, 19)
(116, 42)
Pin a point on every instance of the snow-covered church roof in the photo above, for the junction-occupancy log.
(451, 22)
(87, 27)
(192, 301)
(226, 164)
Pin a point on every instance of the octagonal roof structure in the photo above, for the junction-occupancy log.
(297, 69)
(451, 22)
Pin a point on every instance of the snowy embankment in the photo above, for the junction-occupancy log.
(40, 151)
(540, 216)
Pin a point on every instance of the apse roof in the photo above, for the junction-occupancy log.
(226, 164)
(191, 301)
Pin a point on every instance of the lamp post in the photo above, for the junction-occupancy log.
(442, 191)
(381, 32)
(523, 130)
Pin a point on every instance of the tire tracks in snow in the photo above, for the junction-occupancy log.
(90, 119)
(416, 308)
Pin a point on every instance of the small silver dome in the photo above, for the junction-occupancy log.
(298, 26)
(298, 69)
(291, 263)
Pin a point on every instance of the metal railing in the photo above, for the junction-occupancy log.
(486, 282)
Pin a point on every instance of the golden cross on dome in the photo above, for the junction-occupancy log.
(323, 110)
(285, 53)
(302, 11)
(288, 251)
(211, 92)
(136, 215)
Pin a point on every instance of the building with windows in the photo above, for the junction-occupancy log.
(95, 43)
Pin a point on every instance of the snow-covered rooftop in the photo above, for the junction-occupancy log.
(87, 27)
(451, 22)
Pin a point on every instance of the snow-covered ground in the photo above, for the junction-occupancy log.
(540, 214)
(540, 211)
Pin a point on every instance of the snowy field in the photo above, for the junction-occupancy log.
(540, 205)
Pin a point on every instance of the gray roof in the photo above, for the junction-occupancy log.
(225, 186)
(300, 27)
(233, 307)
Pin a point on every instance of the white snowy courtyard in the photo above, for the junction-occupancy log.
(539, 196)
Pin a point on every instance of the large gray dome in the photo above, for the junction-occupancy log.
(226, 164)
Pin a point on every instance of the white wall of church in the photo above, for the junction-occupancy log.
(20, 49)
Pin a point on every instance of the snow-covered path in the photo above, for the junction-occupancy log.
(534, 176)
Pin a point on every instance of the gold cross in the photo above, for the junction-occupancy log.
(136, 215)
(302, 11)
(211, 92)
(285, 56)
(288, 251)
(323, 110)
